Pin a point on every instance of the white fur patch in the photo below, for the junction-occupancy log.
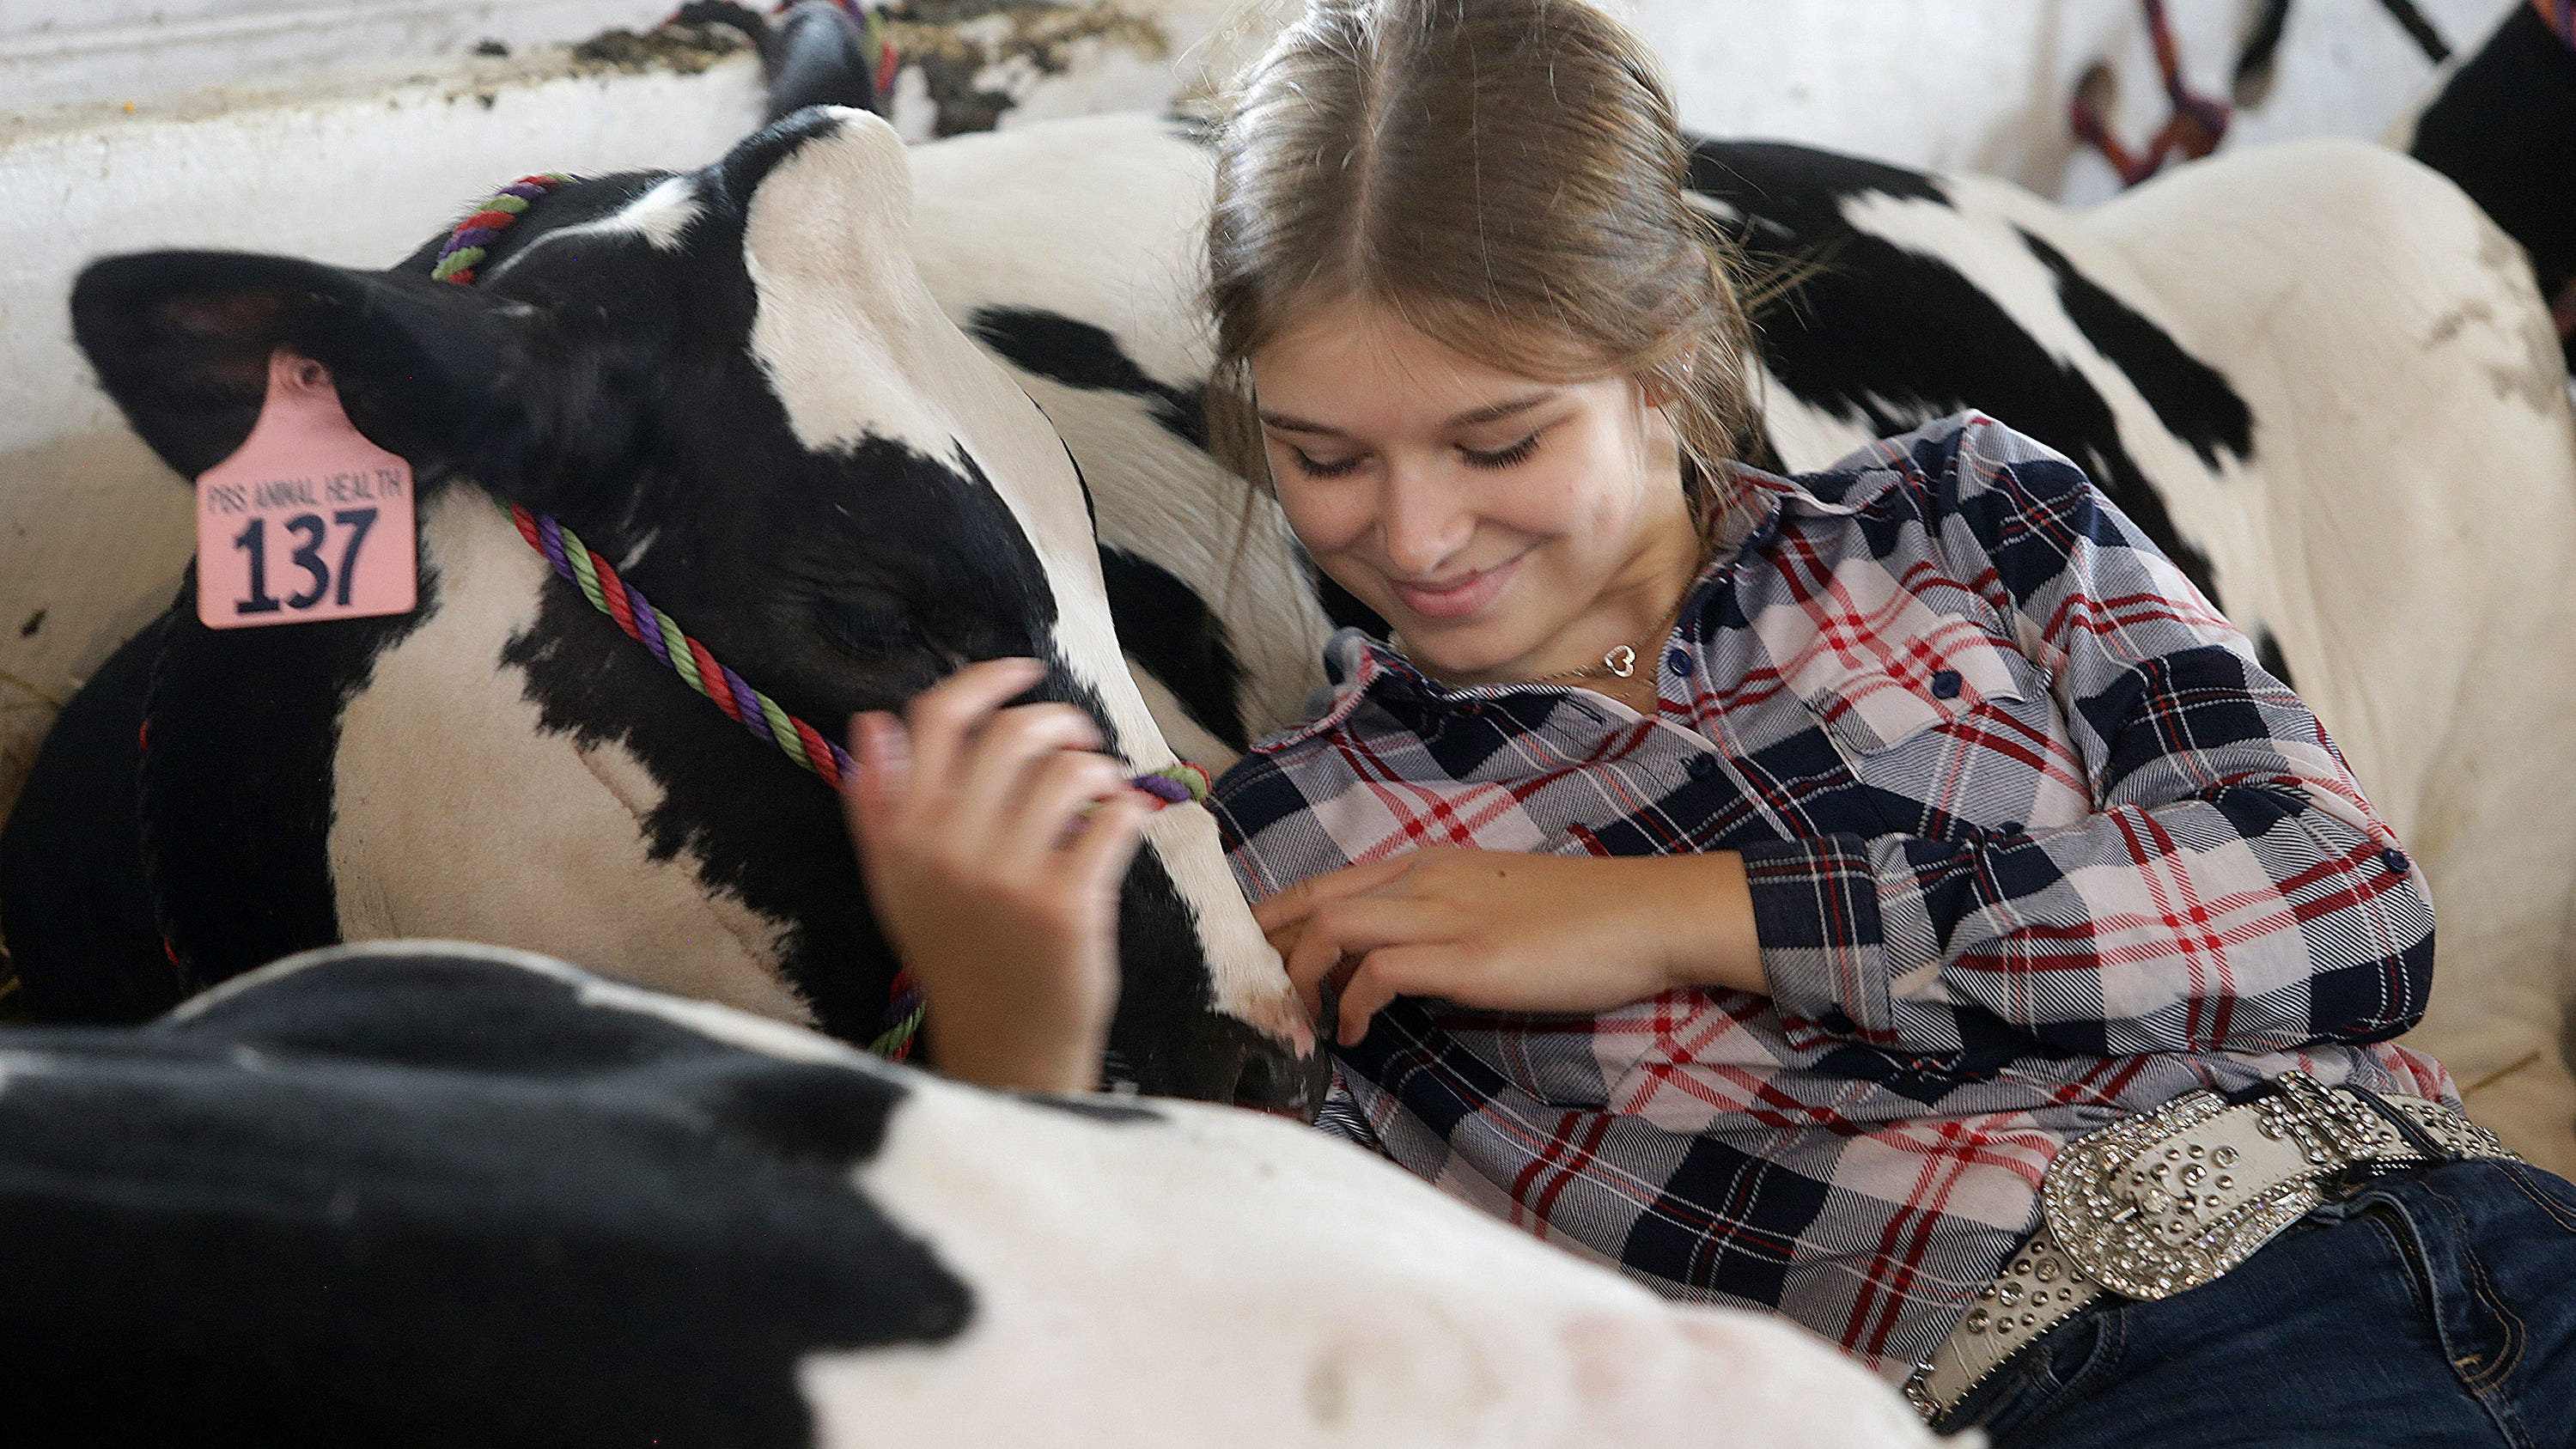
(529, 839)
(1221, 1278)
(1102, 220)
(659, 217)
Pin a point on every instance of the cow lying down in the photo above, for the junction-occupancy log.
(436, 1194)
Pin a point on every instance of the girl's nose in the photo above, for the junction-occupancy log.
(1422, 522)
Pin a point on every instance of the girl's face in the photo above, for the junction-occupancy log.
(1506, 527)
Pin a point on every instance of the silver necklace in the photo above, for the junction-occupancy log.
(1619, 663)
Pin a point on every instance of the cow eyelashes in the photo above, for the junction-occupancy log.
(1511, 457)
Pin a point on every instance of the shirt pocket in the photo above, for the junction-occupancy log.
(1886, 691)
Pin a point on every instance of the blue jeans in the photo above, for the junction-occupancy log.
(2436, 1306)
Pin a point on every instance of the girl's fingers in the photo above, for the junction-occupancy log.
(942, 718)
(1354, 928)
(996, 772)
(1107, 839)
(884, 760)
(1038, 820)
(1384, 975)
(1298, 901)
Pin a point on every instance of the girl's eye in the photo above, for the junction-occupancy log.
(1337, 468)
(1511, 457)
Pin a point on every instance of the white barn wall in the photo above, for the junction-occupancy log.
(304, 147)
(58, 51)
(1982, 85)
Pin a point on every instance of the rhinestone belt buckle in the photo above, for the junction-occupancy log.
(2150, 1224)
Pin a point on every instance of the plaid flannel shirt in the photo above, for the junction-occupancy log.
(2034, 844)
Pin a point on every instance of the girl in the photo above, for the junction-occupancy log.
(1892, 896)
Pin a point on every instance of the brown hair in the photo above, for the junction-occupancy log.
(1505, 176)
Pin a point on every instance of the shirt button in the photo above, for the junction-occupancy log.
(1945, 684)
(1700, 767)
(1678, 660)
(2394, 859)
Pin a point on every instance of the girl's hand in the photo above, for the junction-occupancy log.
(1500, 931)
(989, 877)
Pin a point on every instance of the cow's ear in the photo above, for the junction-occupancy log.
(182, 340)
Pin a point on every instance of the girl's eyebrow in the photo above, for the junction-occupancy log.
(1493, 414)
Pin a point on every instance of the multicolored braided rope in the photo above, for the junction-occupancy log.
(625, 605)
(473, 236)
(1179, 783)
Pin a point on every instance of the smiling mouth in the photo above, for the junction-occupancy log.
(1459, 598)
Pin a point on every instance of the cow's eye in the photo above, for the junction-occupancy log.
(872, 621)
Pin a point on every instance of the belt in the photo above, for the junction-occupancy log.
(2171, 1199)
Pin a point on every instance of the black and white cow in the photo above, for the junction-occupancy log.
(439, 1195)
(733, 384)
(2315, 373)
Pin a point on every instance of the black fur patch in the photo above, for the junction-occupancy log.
(2192, 399)
(1170, 630)
(2504, 130)
(78, 910)
(238, 785)
(1079, 355)
(434, 1201)
(1894, 339)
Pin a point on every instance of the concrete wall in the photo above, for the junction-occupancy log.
(351, 132)
(57, 51)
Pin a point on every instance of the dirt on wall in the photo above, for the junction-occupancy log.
(685, 49)
(956, 43)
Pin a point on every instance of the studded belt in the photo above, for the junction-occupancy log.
(2171, 1199)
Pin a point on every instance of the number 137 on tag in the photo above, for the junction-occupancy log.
(308, 520)
(309, 535)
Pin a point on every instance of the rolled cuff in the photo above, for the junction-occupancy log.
(1815, 913)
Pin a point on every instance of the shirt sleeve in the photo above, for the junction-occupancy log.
(2232, 891)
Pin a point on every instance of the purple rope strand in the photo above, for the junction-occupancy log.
(554, 547)
(647, 627)
(754, 718)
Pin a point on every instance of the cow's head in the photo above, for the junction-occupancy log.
(733, 384)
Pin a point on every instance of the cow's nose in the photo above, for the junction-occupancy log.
(1283, 1083)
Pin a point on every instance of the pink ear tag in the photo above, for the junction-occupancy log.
(307, 520)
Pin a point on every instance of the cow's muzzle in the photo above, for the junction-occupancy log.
(1216, 1058)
